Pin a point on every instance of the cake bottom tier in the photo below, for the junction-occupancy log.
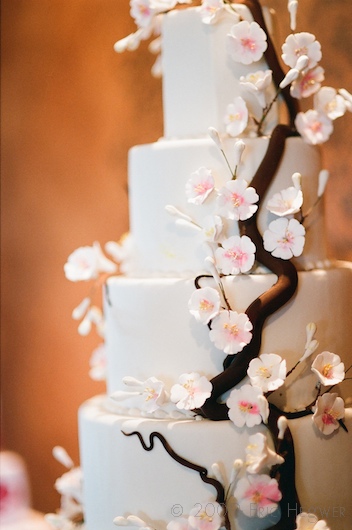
(121, 478)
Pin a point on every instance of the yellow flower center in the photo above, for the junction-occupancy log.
(326, 371)
(232, 328)
(205, 305)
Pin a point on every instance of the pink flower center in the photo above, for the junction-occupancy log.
(247, 407)
(202, 187)
(237, 200)
(248, 44)
(315, 126)
(205, 305)
(329, 417)
(235, 255)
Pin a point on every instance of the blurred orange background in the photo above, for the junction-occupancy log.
(71, 109)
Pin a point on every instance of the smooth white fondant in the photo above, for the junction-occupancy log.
(121, 478)
(150, 331)
(157, 177)
(199, 77)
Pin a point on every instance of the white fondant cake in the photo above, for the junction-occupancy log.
(227, 337)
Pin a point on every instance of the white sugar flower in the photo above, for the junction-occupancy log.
(154, 394)
(246, 406)
(257, 495)
(267, 371)
(329, 102)
(236, 200)
(259, 455)
(235, 255)
(329, 368)
(142, 12)
(347, 96)
(314, 126)
(257, 83)
(284, 238)
(200, 185)
(70, 484)
(246, 42)
(307, 83)
(236, 117)
(298, 44)
(180, 524)
(211, 10)
(329, 409)
(231, 331)
(212, 226)
(85, 263)
(204, 304)
(97, 363)
(286, 202)
(309, 521)
(206, 516)
(191, 391)
(120, 251)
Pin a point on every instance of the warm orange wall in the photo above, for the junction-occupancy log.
(71, 109)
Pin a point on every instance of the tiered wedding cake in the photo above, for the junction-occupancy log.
(228, 334)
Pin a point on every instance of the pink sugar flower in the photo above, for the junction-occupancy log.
(204, 304)
(235, 255)
(307, 83)
(284, 238)
(314, 126)
(246, 42)
(231, 331)
(200, 185)
(236, 200)
(298, 44)
(247, 406)
(236, 117)
(329, 368)
(329, 409)
(257, 496)
(191, 391)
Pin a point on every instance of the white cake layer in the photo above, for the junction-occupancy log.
(199, 77)
(157, 177)
(121, 478)
(150, 332)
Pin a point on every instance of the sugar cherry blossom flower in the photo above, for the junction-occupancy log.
(298, 44)
(259, 455)
(267, 371)
(307, 83)
(231, 331)
(85, 263)
(191, 391)
(246, 42)
(329, 368)
(236, 117)
(200, 185)
(142, 12)
(309, 521)
(154, 394)
(182, 523)
(257, 83)
(286, 202)
(206, 517)
(211, 10)
(212, 226)
(237, 200)
(247, 406)
(284, 238)
(329, 102)
(257, 495)
(70, 484)
(235, 255)
(329, 409)
(204, 304)
(314, 126)
(97, 363)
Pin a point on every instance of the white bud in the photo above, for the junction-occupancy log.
(312, 346)
(302, 62)
(132, 381)
(311, 329)
(289, 77)
(292, 8)
(172, 210)
(188, 224)
(282, 424)
(85, 327)
(81, 309)
(217, 473)
(62, 456)
(210, 262)
(323, 180)
(297, 179)
(214, 135)
(239, 148)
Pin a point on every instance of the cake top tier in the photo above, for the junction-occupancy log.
(221, 68)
